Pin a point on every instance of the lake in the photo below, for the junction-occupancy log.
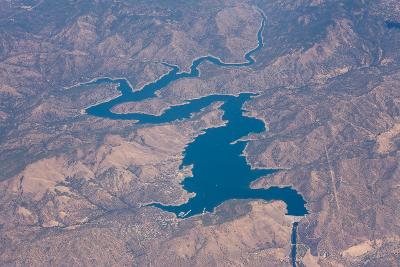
(220, 171)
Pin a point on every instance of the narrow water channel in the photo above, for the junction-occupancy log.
(294, 244)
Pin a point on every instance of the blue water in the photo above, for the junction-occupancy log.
(220, 172)
(149, 90)
(392, 25)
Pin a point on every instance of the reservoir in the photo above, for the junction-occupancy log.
(220, 171)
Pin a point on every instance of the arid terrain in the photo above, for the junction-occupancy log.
(75, 188)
